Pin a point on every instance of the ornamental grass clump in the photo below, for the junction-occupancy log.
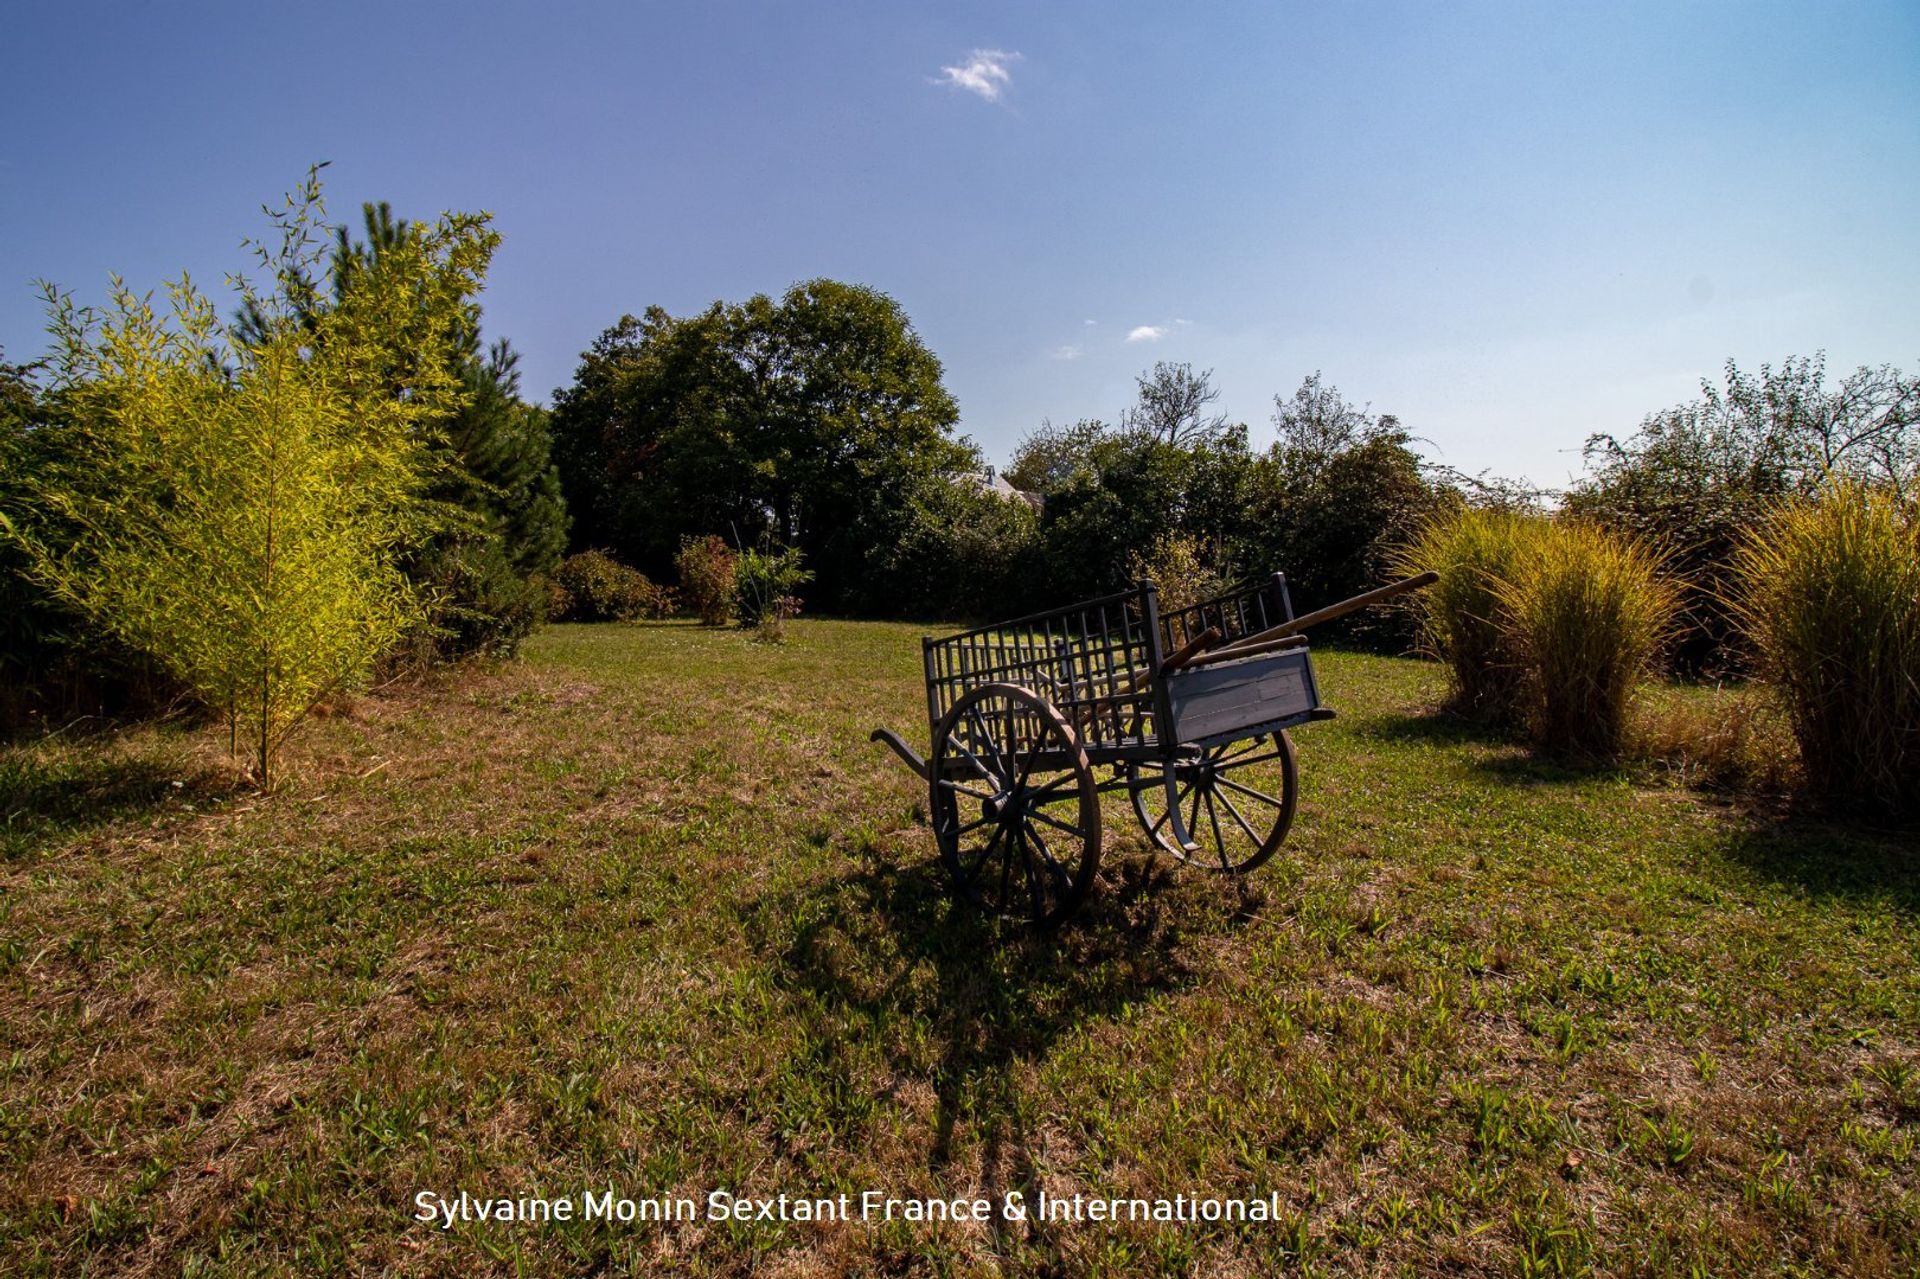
(1827, 591)
(1587, 613)
(1464, 622)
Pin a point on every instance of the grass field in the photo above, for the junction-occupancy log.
(646, 911)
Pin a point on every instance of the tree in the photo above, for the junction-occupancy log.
(1695, 477)
(1317, 424)
(235, 499)
(808, 419)
(1110, 494)
(1172, 406)
(1340, 489)
(1051, 455)
(33, 628)
(495, 471)
(960, 552)
(503, 519)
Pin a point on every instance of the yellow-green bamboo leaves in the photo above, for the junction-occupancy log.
(232, 500)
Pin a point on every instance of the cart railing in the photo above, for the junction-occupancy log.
(1247, 609)
(1093, 661)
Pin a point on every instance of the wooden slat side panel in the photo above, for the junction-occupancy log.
(1233, 695)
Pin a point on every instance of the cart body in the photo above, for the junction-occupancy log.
(1102, 663)
(1189, 708)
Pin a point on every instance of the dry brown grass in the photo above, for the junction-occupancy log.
(649, 911)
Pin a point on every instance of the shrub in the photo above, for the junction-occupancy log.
(1587, 612)
(764, 588)
(480, 604)
(1464, 623)
(1180, 568)
(1828, 592)
(707, 567)
(595, 587)
(950, 551)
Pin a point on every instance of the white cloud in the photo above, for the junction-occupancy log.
(1072, 351)
(984, 72)
(1147, 333)
(1091, 323)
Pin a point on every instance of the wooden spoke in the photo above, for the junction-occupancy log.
(1203, 787)
(1028, 758)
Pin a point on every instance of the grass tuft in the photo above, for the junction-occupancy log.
(1465, 623)
(1828, 590)
(1723, 737)
(1589, 613)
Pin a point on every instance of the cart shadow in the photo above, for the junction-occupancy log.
(969, 1006)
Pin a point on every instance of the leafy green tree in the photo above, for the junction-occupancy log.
(502, 518)
(808, 419)
(1110, 495)
(235, 499)
(1694, 478)
(959, 551)
(1050, 456)
(1340, 490)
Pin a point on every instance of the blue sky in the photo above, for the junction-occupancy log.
(1512, 225)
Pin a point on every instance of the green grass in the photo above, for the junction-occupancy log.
(647, 910)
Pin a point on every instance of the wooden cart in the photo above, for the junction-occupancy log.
(1187, 711)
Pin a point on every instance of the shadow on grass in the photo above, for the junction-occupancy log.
(46, 794)
(886, 954)
(1511, 762)
(1825, 859)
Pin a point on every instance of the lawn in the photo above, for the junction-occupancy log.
(645, 911)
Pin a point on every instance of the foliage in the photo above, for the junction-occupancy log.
(766, 583)
(1589, 612)
(495, 472)
(234, 500)
(808, 419)
(33, 627)
(707, 568)
(1173, 406)
(592, 586)
(1828, 592)
(1050, 456)
(501, 518)
(955, 551)
(1340, 489)
(1699, 475)
(1463, 622)
(1126, 491)
(1181, 570)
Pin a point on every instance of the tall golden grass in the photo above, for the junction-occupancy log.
(1828, 591)
(1588, 613)
(1542, 623)
(1463, 621)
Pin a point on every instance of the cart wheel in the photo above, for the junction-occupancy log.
(1015, 809)
(1237, 802)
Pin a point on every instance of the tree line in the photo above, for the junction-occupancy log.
(255, 509)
